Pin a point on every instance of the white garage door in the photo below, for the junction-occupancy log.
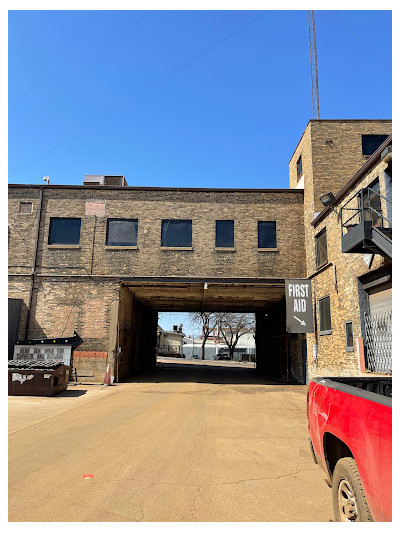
(380, 301)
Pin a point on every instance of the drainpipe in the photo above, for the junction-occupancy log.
(93, 238)
(28, 315)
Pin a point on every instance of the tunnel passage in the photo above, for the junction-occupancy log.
(278, 354)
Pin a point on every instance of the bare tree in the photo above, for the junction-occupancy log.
(232, 326)
(208, 322)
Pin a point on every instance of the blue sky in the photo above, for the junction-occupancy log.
(183, 98)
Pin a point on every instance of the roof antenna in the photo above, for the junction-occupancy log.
(314, 65)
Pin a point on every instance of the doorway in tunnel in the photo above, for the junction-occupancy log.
(145, 306)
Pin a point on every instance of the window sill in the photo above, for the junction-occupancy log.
(64, 246)
(121, 247)
(225, 249)
(267, 249)
(177, 248)
(327, 332)
(349, 349)
(319, 267)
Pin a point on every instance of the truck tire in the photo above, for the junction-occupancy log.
(349, 501)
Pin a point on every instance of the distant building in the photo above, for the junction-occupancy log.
(170, 342)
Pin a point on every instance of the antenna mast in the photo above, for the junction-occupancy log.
(314, 65)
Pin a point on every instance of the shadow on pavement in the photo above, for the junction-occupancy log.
(172, 372)
(70, 393)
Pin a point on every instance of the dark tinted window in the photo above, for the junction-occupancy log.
(65, 230)
(321, 249)
(176, 233)
(299, 167)
(122, 232)
(325, 314)
(370, 143)
(267, 234)
(349, 335)
(224, 233)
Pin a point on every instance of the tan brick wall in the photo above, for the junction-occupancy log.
(328, 166)
(149, 259)
(74, 287)
(94, 319)
(333, 359)
(22, 230)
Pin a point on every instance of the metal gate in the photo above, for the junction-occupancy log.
(379, 341)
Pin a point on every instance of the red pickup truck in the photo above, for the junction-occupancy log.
(350, 428)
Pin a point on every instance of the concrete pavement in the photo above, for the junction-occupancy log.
(194, 441)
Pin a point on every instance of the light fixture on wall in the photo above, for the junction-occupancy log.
(205, 285)
(327, 198)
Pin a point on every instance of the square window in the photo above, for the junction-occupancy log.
(25, 207)
(267, 234)
(224, 234)
(370, 143)
(122, 232)
(176, 233)
(321, 249)
(349, 335)
(324, 307)
(64, 230)
(299, 166)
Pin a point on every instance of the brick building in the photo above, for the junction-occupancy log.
(103, 258)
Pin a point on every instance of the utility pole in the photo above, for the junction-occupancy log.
(314, 65)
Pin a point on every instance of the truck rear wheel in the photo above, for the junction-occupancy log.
(349, 501)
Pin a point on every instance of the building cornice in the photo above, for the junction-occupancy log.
(149, 189)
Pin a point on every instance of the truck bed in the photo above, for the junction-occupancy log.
(376, 389)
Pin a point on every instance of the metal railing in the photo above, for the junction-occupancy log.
(351, 216)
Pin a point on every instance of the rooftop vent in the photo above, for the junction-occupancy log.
(117, 181)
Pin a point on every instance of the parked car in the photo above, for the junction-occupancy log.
(223, 357)
(350, 428)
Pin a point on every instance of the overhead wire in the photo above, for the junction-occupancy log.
(361, 40)
(48, 65)
(77, 78)
(149, 87)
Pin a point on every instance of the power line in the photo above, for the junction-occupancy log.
(149, 87)
(50, 63)
(362, 41)
(78, 77)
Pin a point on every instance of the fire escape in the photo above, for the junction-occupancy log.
(365, 227)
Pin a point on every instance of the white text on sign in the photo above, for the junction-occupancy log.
(299, 291)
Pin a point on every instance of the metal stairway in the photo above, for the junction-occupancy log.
(365, 229)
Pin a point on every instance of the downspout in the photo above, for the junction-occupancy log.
(28, 315)
(93, 238)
